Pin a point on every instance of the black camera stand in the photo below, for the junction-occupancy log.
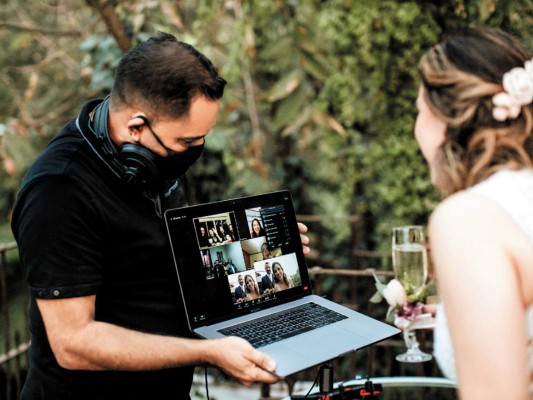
(367, 391)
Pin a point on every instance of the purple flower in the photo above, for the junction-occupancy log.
(409, 311)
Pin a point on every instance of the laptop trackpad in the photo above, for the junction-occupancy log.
(306, 350)
(332, 341)
(287, 359)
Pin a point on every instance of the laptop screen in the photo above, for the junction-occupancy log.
(237, 256)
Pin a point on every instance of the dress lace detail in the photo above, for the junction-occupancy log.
(512, 190)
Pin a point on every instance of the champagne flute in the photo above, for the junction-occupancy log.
(410, 264)
(409, 257)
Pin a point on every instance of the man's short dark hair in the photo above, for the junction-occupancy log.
(163, 75)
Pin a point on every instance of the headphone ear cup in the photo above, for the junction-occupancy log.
(140, 164)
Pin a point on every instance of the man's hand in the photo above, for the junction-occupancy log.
(305, 240)
(239, 359)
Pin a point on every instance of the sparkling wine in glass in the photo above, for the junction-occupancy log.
(409, 260)
(409, 257)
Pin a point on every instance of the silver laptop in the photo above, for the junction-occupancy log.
(242, 272)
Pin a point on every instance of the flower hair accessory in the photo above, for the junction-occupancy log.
(517, 92)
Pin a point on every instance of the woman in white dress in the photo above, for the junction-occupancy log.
(474, 128)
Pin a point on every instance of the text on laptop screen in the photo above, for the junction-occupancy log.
(237, 256)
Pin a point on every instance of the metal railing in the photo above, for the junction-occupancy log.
(14, 337)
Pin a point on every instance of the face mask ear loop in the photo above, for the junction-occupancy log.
(147, 123)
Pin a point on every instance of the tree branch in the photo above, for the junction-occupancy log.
(113, 23)
(25, 28)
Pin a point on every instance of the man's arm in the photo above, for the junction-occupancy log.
(79, 342)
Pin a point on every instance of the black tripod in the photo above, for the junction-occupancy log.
(327, 391)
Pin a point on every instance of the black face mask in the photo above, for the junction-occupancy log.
(176, 163)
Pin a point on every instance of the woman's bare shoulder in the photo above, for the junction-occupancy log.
(466, 209)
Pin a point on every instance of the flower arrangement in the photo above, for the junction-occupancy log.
(405, 304)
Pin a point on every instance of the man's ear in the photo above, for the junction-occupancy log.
(135, 125)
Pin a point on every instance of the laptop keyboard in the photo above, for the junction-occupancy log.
(284, 324)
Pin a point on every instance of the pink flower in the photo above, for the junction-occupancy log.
(394, 293)
(528, 66)
(505, 107)
(518, 92)
(519, 84)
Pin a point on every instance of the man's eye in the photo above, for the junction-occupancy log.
(189, 142)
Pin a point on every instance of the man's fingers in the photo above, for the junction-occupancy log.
(265, 366)
(265, 376)
(248, 364)
(268, 364)
(302, 228)
(304, 239)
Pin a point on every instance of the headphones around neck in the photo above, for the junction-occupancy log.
(137, 164)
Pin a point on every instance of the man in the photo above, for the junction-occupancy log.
(105, 315)
(220, 269)
(240, 291)
(267, 281)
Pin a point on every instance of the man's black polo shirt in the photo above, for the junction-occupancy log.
(81, 231)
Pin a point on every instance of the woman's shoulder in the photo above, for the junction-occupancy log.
(465, 215)
(461, 205)
(504, 196)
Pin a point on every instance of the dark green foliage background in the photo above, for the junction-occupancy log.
(320, 96)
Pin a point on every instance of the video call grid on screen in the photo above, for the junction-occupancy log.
(228, 254)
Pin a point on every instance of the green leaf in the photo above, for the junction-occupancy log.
(390, 314)
(290, 108)
(380, 286)
(376, 298)
(285, 86)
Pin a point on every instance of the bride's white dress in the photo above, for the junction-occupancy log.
(512, 190)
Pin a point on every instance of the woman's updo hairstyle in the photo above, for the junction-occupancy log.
(460, 77)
